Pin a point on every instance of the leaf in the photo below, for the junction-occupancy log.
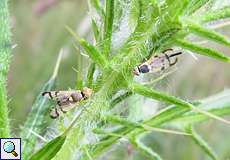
(146, 127)
(145, 149)
(37, 119)
(108, 26)
(201, 50)
(96, 4)
(120, 98)
(201, 142)
(214, 15)
(79, 80)
(96, 31)
(175, 8)
(198, 117)
(195, 5)
(162, 117)
(134, 13)
(85, 150)
(147, 92)
(91, 71)
(48, 151)
(206, 33)
(218, 104)
(92, 51)
(70, 145)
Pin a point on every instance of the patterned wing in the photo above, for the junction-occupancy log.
(59, 110)
(66, 100)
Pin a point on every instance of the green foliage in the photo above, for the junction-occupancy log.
(108, 26)
(145, 149)
(201, 142)
(215, 15)
(5, 49)
(91, 70)
(155, 26)
(207, 33)
(91, 50)
(195, 5)
(37, 119)
(201, 50)
(96, 4)
(134, 50)
(50, 149)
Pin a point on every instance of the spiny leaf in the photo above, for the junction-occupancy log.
(70, 145)
(127, 123)
(198, 117)
(98, 7)
(134, 12)
(108, 26)
(48, 151)
(92, 51)
(145, 149)
(201, 142)
(214, 15)
(201, 50)
(162, 117)
(194, 5)
(175, 8)
(89, 157)
(79, 80)
(72, 133)
(91, 70)
(96, 31)
(168, 114)
(37, 119)
(120, 98)
(147, 92)
(206, 33)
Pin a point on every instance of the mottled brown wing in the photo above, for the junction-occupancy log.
(59, 95)
(59, 110)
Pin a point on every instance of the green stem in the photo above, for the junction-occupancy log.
(5, 49)
(145, 149)
(79, 81)
(90, 74)
(108, 26)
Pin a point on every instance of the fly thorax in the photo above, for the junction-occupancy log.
(77, 96)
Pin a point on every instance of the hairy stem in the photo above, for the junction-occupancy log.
(5, 49)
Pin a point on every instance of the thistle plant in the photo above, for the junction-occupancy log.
(127, 32)
(5, 48)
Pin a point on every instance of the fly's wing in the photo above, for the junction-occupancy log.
(162, 62)
(59, 96)
(157, 63)
(59, 110)
(56, 95)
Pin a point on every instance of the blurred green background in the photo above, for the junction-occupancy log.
(39, 32)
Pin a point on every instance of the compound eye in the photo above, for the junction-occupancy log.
(144, 68)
